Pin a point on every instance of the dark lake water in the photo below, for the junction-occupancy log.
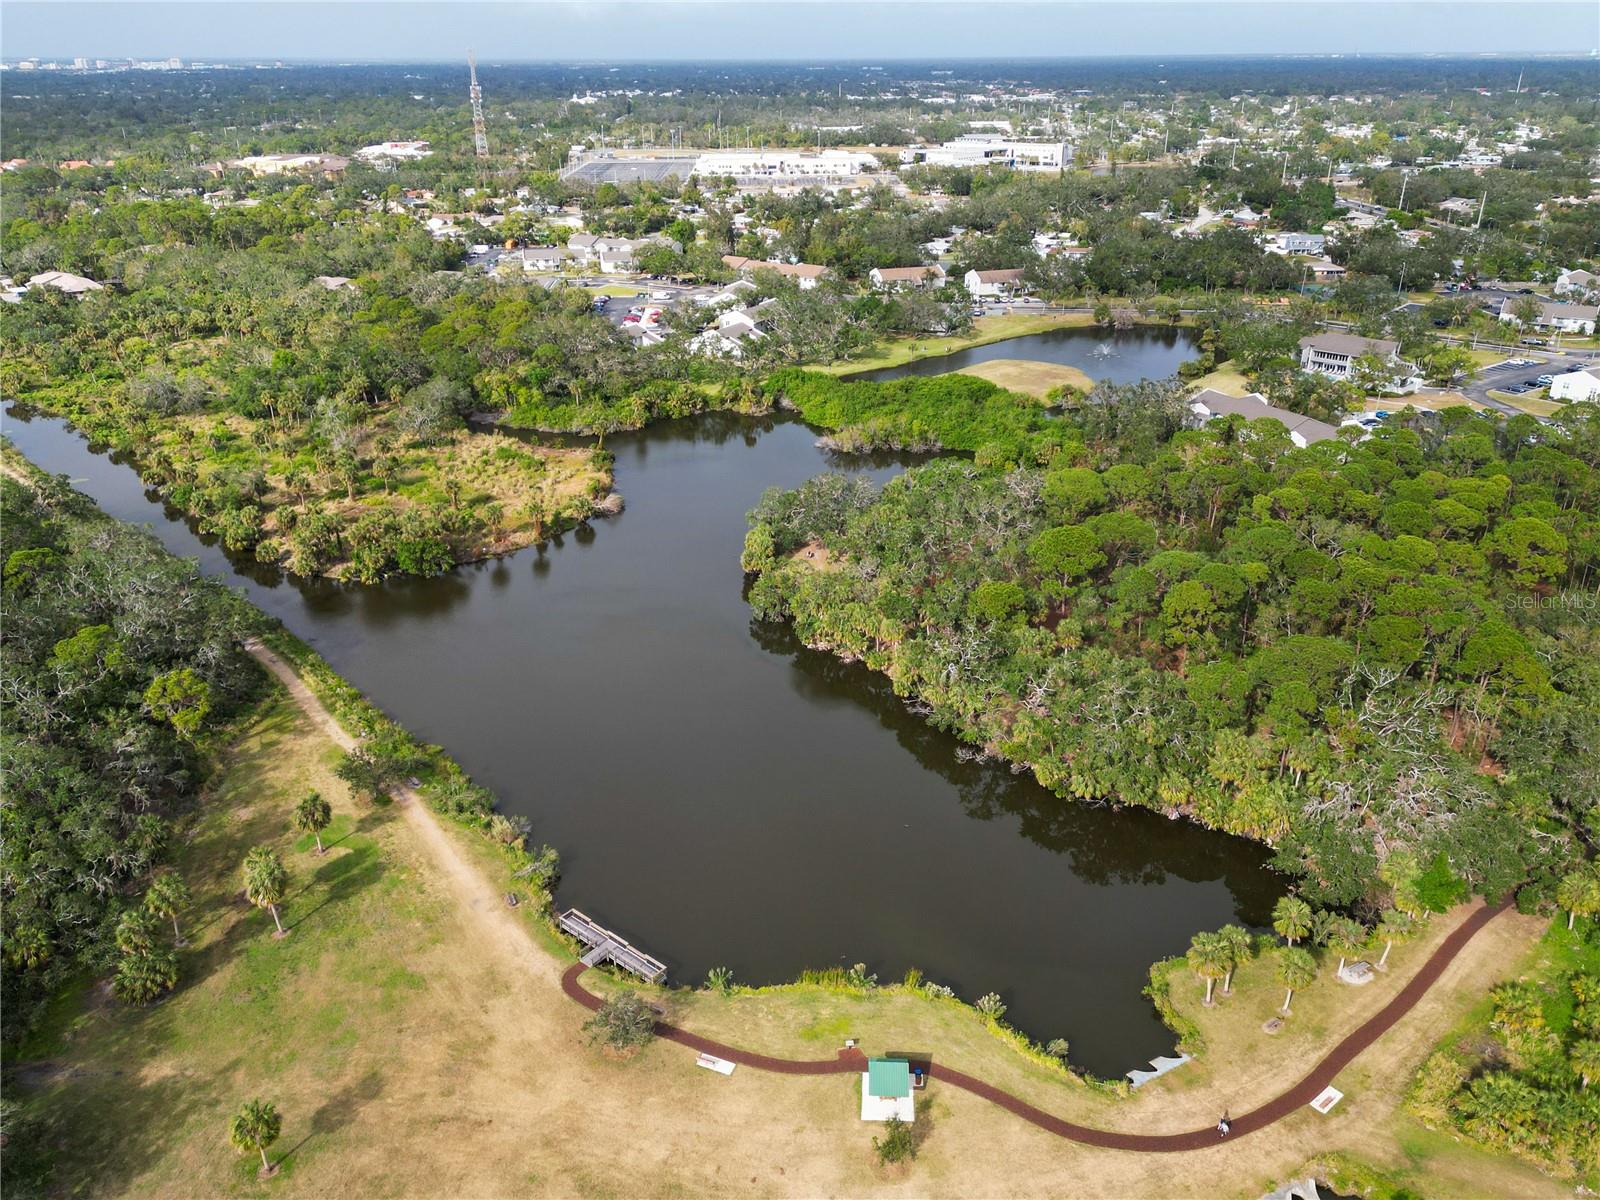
(1127, 357)
(722, 796)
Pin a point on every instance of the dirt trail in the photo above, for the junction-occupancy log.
(496, 926)
(493, 922)
(1274, 1110)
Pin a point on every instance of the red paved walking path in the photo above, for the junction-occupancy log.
(1302, 1093)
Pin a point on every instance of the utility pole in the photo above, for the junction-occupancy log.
(1482, 204)
(480, 136)
(1404, 179)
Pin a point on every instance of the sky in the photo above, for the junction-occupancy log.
(585, 30)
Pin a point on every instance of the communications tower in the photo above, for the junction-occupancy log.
(480, 137)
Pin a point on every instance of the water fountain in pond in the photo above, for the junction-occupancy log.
(1103, 350)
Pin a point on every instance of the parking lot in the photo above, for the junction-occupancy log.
(1523, 375)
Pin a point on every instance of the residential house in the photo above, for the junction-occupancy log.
(728, 335)
(1575, 386)
(65, 281)
(612, 255)
(1297, 243)
(1303, 431)
(1576, 283)
(734, 293)
(992, 285)
(1246, 217)
(894, 279)
(1557, 317)
(1325, 270)
(544, 258)
(1336, 353)
(807, 275)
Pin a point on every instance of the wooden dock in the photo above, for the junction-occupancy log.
(605, 946)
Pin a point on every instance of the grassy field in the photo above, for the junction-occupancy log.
(1029, 377)
(412, 1031)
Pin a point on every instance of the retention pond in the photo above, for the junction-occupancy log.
(723, 796)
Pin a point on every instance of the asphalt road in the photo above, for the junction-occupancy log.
(1499, 377)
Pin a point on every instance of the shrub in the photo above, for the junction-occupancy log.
(720, 980)
(991, 1006)
(897, 1144)
(624, 1022)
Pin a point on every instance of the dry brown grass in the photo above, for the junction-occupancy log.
(1029, 377)
(414, 1035)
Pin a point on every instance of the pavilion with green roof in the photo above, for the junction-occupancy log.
(886, 1090)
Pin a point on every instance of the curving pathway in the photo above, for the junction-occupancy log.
(1298, 1096)
(469, 884)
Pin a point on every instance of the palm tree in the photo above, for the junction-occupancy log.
(1344, 937)
(167, 895)
(1296, 969)
(1579, 894)
(312, 815)
(1584, 1058)
(1291, 918)
(265, 881)
(143, 975)
(255, 1127)
(1394, 926)
(1209, 957)
(1239, 945)
(136, 932)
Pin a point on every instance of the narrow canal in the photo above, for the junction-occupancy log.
(723, 796)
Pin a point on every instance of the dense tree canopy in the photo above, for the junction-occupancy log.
(1350, 651)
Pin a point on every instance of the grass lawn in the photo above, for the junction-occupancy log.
(412, 1032)
(1535, 404)
(1029, 377)
(1433, 401)
(1227, 379)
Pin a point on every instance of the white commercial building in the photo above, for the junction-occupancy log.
(988, 150)
(394, 150)
(784, 164)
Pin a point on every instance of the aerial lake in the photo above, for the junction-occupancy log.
(723, 796)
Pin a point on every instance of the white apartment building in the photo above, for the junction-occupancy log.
(1576, 386)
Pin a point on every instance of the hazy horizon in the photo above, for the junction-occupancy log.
(788, 31)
